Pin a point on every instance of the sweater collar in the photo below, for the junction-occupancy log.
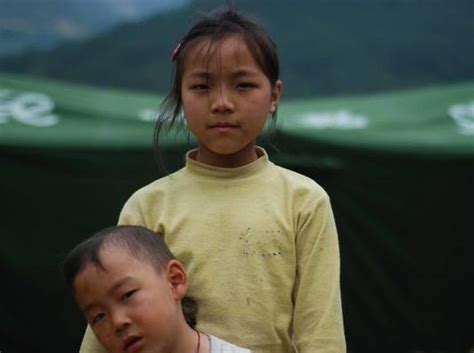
(252, 168)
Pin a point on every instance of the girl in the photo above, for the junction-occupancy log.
(259, 241)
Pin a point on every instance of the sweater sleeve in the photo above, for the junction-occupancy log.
(317, 318)
(132, 213)
(90, 344)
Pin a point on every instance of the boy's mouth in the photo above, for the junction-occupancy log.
(132, 344)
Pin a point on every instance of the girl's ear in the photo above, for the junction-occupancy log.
(177, 278)
(276, 94)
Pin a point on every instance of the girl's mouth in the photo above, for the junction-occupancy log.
(223, 126)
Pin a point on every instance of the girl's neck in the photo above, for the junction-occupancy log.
(243, 157)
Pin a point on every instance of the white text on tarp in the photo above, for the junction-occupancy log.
(339, 120)
(463, 116)
(29, 108)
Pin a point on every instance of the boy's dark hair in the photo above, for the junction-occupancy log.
(218, 24)
(141, 243)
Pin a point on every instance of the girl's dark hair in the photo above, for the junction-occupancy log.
(141, 243)
(218, 24)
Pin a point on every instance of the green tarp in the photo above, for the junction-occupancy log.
(399, 168)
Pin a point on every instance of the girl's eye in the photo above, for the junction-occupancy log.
(127, 295)
(246, 85)
(97, 318)
(199, 87)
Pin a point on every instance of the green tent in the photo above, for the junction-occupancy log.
(399, 168)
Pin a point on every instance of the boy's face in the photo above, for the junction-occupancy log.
(129, 306)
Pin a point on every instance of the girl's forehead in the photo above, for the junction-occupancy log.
(208, 53)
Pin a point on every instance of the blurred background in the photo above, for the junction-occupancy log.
(326, 47)
(378, 108)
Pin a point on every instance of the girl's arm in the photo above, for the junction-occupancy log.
(318, 325)
(90, 344)
(134, 211)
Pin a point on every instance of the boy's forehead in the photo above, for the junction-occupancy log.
(116, 256)
(116, 266)
(111, 258)
(89, 273)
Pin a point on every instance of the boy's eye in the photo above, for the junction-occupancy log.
(97, 318)
(127, 295)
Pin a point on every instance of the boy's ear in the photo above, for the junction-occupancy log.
(276, 94)
(177, 278)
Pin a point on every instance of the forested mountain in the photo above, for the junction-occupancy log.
(326, 47)
(40, 24)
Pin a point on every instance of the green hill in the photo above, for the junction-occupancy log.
(326, 47)
(43, 24)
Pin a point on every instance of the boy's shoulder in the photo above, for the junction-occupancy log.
(220, 346)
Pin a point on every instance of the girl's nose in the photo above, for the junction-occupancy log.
(221, 100)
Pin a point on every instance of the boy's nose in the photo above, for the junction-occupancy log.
(120, 322)
(221, 100)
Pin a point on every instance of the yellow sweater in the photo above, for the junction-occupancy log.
(260, 246)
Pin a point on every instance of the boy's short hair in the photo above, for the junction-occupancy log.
(140, 242)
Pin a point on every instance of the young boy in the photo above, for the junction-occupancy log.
(132, 292)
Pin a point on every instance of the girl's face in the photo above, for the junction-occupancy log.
(226, 99)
